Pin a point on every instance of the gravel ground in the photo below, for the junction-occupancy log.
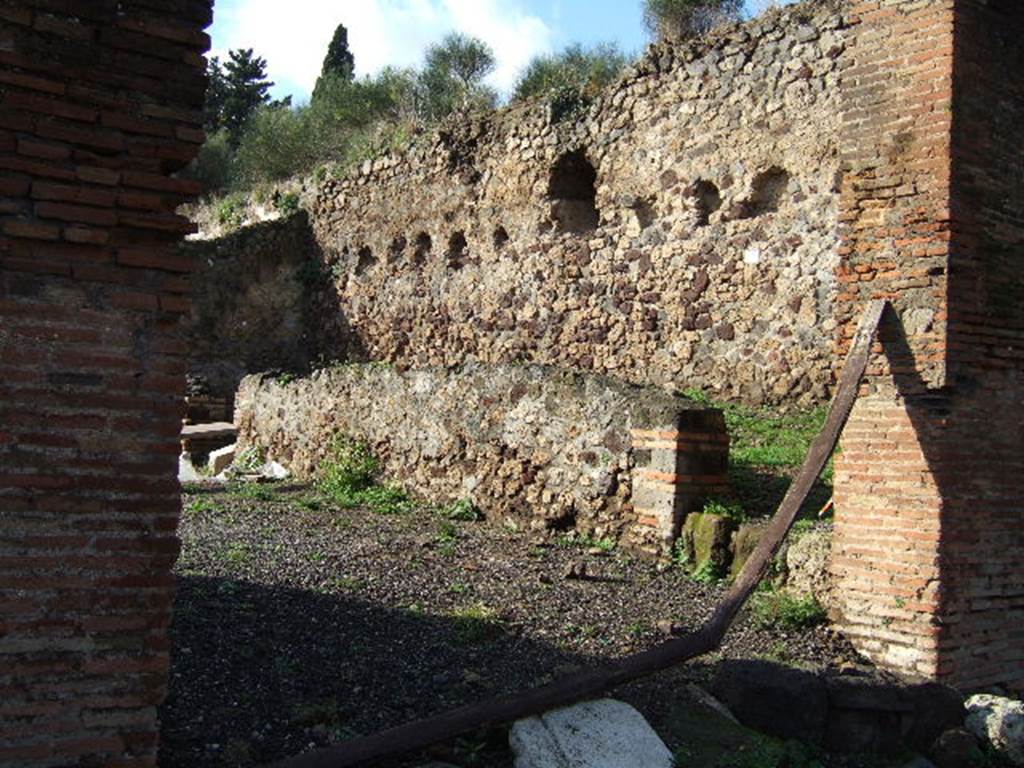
(298, 624)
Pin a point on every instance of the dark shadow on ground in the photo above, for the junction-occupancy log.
(264, 672)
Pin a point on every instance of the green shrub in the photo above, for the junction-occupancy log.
(349, 479)
(213, 165)
(352, 468)
(277, 144)
(231, 210)
(287, 204)
(779, 609)
(570, 80)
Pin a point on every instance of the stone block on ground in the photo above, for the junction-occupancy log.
(186, 472)
(221, 459)
(774, 699)
(1000, 722)
(956, 748)
(706, 539)
(744, 542)
(594, 734)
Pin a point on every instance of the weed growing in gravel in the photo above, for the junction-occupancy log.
(476, 623)
(585, 542)
(778, 609)
(463, 509)
(708, 573)
(237, 554)
(345, 584)
(459, 588)
(349, 479)
(254, 491)
(203, 506)
(310, 503)
(680, 555)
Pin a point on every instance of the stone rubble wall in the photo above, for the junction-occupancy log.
(255, 307)
(548, 449)
(714, 258)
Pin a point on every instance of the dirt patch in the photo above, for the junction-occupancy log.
(298, 624)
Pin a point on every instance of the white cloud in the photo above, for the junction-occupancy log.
(293, 36)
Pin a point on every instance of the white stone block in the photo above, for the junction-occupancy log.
(594, 734)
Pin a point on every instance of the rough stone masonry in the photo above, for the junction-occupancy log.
(686, 229)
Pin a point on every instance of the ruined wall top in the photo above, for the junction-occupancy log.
(681, 232)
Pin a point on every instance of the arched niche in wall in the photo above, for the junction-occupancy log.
(572, 191)
(767, 192)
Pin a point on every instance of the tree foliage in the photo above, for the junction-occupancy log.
(255, 140)
(339, 61)
(572, 78)
(453, 76)
(680, 19)
(236, 89)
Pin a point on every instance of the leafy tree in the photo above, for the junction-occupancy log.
(213, 165)
(679, 19)
(349, 120)
(216, 96)
(453, 76)
(572, 78)
(236, 90)
(339, 61)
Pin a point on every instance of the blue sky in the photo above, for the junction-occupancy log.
(293, 35)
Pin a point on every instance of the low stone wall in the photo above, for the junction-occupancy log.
(539, 446)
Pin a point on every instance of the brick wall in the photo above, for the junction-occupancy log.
(927, 479)
(98, 107)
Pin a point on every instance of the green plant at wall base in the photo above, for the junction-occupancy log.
(463, 509)
(349, 479)
(708, 573)
(680, 555)
(779, 609)
(250, 460)
(386, 500)
(350, 468)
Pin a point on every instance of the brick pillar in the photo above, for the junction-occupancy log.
(926, 468)
(678, 464)
(99, 105)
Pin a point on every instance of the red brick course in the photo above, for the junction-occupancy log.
(94, 97)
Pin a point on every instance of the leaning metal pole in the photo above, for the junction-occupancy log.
(432, 730)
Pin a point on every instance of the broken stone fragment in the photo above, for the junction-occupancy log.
(221, 459)
(594, 734)
(1000, 722)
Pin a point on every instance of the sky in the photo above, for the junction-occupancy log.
(292, 35)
